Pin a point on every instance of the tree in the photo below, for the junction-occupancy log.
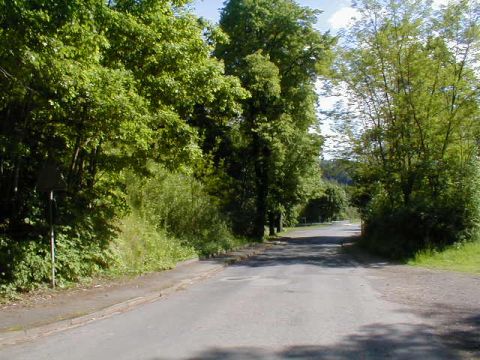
(339, 170)
(99, 87)
(59, 103)
(330, 205)
(412, 75)
(175, 72)
(276, 52)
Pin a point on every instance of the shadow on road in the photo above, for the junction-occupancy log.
(462, 334)
(322, 251)
(465, 335)
(375, 341)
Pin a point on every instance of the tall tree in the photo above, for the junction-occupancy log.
(60, 103)
(412, 75)
(275, 50)
(98, 87)
(175, 72)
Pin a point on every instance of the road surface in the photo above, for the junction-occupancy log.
(301, 299)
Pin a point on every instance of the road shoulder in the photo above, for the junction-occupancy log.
(448, 301)
(56, 311)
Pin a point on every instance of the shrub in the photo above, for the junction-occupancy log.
(178, 205)
(427, 221)
(81, 251)
(141, 247)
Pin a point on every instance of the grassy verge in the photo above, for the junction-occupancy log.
(463, 257)
(172, 218)
(141, 248)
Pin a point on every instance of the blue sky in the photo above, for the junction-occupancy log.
(334, 15)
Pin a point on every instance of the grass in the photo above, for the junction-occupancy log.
(141, 248)
(464, 257)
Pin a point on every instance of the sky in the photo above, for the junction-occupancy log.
(336, 14)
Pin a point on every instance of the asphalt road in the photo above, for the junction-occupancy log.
(301, 299)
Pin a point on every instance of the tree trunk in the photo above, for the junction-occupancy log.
(260, 216)
(279, 222)
(92, 171)
(262, 185)
(271, 223)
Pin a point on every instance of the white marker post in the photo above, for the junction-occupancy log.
(49, 180)
(52, 239)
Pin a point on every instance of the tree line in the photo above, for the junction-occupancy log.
(412, 74)
(114, 93)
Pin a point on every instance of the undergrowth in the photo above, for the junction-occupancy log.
(464, 257)
(171, 218)
(141, 248)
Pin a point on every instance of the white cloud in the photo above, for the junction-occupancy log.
(343, 18)
(438, 3)
(327, 103)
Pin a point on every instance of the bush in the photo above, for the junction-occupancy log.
(140, 248)
(81, 252)
(426, 222)
(171, 218)
(178, 205)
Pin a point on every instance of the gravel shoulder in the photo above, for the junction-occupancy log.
(448, 301)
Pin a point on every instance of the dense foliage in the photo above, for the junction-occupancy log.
(412, 74)
(172, 218)
(162, 153)
(276, 52)
(331, 203)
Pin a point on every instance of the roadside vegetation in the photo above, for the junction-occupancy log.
(463, 257)
(171, 218)
(171, 137)
(411, 75)
(331, 203)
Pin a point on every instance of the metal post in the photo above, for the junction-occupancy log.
(52, 238)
